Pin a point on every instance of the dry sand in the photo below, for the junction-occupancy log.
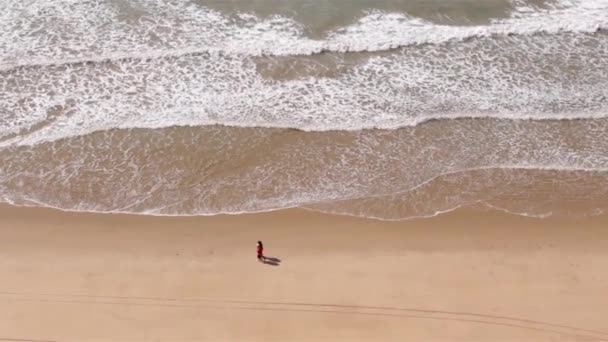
(458, 277)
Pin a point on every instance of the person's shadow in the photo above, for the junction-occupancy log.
(272, 261)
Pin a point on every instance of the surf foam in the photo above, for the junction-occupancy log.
(57, 32)
(553, 77)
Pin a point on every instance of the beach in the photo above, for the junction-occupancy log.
(417, 170)
(460, 277)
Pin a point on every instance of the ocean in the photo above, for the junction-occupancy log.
(380, 109)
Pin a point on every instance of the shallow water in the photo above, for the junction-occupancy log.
(206, 107)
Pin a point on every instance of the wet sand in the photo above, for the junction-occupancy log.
(528, 167)
(463, 276)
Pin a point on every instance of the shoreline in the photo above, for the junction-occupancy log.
(408, 173)
(461, 276)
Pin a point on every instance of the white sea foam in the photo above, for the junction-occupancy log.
(396, 174)
(55, 32)
(557, 77)
(161, 75)
(70, 68)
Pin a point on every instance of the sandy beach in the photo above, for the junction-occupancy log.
(457, 277)
(170, 136)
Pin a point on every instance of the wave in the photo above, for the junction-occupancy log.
(88, 98)
(61, 32)
(348, 206)
(34, 138)
(525, 167)
(98, 71)
(560, 77)
(521, 190)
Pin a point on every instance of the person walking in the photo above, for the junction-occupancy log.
(261, 251)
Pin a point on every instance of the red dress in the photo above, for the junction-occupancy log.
(260, 252)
